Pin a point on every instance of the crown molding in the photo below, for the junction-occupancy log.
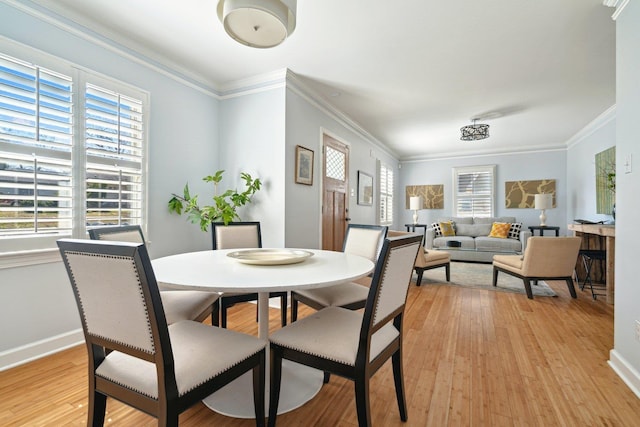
(618, 4)
(604, 118)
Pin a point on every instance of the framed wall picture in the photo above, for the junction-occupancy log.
(304, 165)
(365, 189)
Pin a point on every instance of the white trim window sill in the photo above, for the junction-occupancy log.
(27, 258)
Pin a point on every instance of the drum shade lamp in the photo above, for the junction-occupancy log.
(415, 204)
(258, 23)
(543, 202)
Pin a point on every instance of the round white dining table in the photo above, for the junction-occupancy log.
(214, 270)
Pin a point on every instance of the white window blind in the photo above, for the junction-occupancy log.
(36, 137)
(474, 191)
(386, 194)
(72, 153)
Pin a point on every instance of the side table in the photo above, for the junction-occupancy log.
(543, 228)
(412, 228)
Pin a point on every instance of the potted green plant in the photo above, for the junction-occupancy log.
(224, 207)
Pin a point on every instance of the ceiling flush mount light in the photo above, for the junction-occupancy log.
(258, 23)
(474, 132)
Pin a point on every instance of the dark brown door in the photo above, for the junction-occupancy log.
(335, 184)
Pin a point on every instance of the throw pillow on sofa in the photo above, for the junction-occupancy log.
(500, 230)
(514, 231)
(447, 230)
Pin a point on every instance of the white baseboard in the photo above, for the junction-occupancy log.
(629, 375)
(21, 355)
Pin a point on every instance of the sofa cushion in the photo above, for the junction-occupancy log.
(456, 219)
(473, 230)
(514, 231)
(491, 220)
(500, 230)
(497, 244)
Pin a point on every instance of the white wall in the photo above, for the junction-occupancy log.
(510, 167)
(37, 311)
(581, 168)
(625, 357)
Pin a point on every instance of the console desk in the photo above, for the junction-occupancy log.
(608, 232)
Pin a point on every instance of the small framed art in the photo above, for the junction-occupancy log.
(365, 189)
(304, 165)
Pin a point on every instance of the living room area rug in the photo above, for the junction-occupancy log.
(479, 275)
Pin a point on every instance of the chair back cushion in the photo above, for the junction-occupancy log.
(365, 240)
(236, 235)
(392, 276)
(126, 233)
(108, 290)
(550, 256)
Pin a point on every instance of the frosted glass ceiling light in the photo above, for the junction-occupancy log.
(258, 23)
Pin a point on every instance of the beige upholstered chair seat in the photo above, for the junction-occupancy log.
(432, 258)
(186, 305)
(197, 358)
(338, 295)
(333, 333)
(509, 262)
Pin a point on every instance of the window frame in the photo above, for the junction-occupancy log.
(386, 194)
(457, 196)
(31, 249)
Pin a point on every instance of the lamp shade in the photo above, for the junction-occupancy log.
(415, 203)
(543, 201)
(258, 23)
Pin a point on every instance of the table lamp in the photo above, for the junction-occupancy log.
(543, 202)
(415, 204)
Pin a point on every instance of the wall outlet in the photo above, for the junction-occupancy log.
(638, 330)
(628, 164)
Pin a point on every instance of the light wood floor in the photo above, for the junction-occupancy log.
(472, 358)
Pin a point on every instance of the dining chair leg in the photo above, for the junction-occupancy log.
(284, 301)
(275, 376)
(215, 313)
(294, 309)
(363, 407)
(398, 379)
(258, 390)
(97, 409)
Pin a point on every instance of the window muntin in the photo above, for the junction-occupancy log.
(474, 191)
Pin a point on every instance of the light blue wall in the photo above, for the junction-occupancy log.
(626, 354)
(252, 135)
(183, 146)
(581, 169)
(509, 167)
(306, 123)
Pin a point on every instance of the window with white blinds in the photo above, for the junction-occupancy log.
(474, 191)
(386, 194)
(71, 153)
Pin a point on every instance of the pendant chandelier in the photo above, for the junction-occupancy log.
(258, 23)
(474, 131)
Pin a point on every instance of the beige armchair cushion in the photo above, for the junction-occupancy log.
(543, 257)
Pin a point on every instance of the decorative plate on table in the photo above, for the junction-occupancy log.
(270, 256)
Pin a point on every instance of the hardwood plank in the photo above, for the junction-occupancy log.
(471, 357)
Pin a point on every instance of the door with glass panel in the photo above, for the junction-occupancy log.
(335, 184)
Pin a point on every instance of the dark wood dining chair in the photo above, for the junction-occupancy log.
(134, 355)
(360, 239)
(237, 235)
(354, 344)
(178, 305)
